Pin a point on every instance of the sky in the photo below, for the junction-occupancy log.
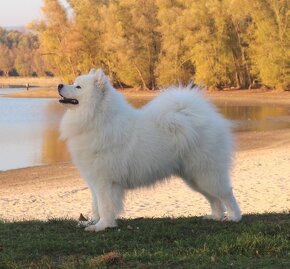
(19, 12)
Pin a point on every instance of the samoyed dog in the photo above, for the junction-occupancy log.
(117, 147)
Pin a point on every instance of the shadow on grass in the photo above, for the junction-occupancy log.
(258, 241)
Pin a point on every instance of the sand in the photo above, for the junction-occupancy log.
(33, 81)
(261, 181)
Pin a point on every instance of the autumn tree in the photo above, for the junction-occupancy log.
(24, 54)
(150, 43)
(213, 39)
(53, 30)
(270, 49)
(84, 37)
(174, 65)
(6, 55)
(6, 59)
(132, 42)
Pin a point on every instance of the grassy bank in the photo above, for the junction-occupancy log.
(258, 241)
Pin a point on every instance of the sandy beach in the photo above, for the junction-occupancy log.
(260, 176)
(261, 180)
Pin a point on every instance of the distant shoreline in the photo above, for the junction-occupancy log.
(237, 96)
(49, 90)
(33, 81)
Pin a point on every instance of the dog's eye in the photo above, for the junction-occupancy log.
(78, 87)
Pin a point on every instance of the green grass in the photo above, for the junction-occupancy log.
(258, 241)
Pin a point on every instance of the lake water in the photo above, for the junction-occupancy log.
(29, 128)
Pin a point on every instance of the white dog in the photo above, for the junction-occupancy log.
(117, 147)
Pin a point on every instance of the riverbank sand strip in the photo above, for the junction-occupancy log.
(261, 179)
(237, 96)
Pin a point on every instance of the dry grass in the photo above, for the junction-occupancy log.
(112, 257)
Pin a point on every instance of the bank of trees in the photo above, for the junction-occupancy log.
(151, 43)
(20, 54)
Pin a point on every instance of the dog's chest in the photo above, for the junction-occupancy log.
(83, 149)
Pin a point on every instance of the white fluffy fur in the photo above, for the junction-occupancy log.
(117, 147)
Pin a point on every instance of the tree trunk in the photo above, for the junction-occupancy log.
(141, 77)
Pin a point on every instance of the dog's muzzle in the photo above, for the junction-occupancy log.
(65, 100)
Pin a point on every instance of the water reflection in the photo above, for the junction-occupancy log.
(256, 118)
(53, 149)
(29, 127)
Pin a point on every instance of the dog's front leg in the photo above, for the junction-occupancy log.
(95, 208)
(107, 212)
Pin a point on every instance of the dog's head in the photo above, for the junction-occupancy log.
(85, 87)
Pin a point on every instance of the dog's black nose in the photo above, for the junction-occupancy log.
(59, 87)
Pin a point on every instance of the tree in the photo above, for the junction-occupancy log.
(238, 22)
(24, 54)
(214, 40)
(132, 47)
(175, 65)
(145, 43)
(53, 30)
(270, 49)
(84, 38)
(23, 62)
(6, 59)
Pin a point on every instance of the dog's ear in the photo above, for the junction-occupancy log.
(100, 79)
(92, 71)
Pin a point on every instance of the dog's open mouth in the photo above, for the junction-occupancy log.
(65, 100)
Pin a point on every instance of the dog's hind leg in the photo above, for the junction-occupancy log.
(233, 210)
(218, 185)
(217, 207)
(217, 190)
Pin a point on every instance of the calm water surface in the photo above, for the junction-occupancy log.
(29, 128)
(4, 91)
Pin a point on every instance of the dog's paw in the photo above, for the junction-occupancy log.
(100, 226)
(213, 217)
(232, 218)
(91, 228)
